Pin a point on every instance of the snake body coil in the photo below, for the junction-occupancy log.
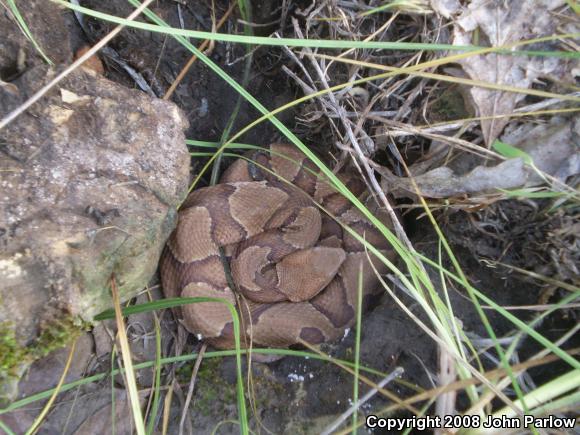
(295, 269)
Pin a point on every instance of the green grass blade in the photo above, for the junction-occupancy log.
(511, 152)
(409, 6)
(24, 28)
(215, 145)
(532, 193)
(178, 359)
(176, 302)
(563, 384)
(314, 43)
(157, 380)
(417, 280)
(6, 429)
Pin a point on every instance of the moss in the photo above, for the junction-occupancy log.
(12, 354)
(57, 333)
(214, 392)
(15, 357)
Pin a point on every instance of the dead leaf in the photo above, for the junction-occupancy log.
(554, 148)
(92, 63)
(504, 23)
(447, 8)
(444, 183)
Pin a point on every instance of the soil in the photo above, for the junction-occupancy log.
(297, 395)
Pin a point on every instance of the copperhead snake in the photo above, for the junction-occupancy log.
(295, 269)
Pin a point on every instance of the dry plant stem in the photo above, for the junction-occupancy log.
(441, 343)
(77, 394)
(126, 355)
(292, 55)
(569, 287)
(157, 327)
(184, 412)
(305, 88)
(372, 36)
(492, 374)
(450, 126)
(533, 307)
(477, 407)
(458, 143)
(40, 93)
(193, 58)
(364, 116)
(214, 28)
(355, 406)
(36, 425)
(531, 110)
(468, 146)
(308, 89)
(362, 158)
(167, 408)
(445, 403)
(115, 57)
(386, 393)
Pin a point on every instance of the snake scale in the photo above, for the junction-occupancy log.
(294, 268)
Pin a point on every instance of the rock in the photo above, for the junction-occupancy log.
(45, 373)
(90, 180)
(87, 411)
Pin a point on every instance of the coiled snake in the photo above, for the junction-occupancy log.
(295, 269)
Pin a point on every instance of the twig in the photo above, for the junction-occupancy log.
(114, 56)
(339, 110)
(193, 58)
(355, 406)
(191, 387)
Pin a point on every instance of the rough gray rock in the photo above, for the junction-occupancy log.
(90, 180)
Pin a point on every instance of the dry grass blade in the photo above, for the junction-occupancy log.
(463, 384)
(36, 425)
(330, 101)
(386, 393)
(127, 362)
(443, 344)
(459, 80)
(167, 408)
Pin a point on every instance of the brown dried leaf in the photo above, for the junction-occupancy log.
(504, 23)
(447, 8)
(442, 182)
(553, 147)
